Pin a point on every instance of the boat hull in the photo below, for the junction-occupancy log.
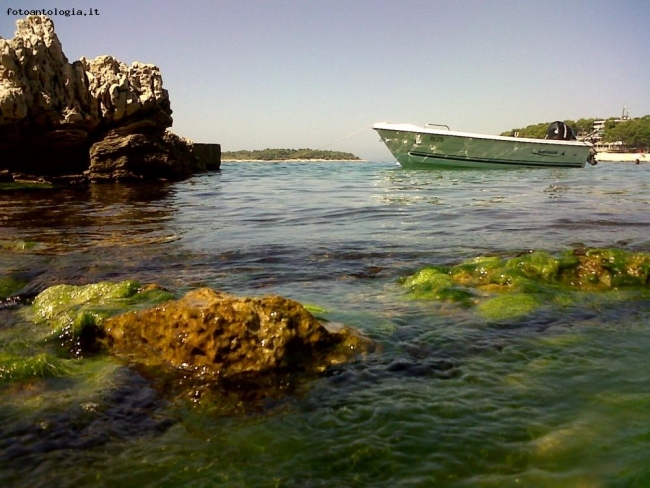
(420, 147)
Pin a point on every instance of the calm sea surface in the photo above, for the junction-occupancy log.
(553, 400)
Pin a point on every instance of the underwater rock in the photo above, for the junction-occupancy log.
(91, 413)
(503, 288)
(508, 306)
(219, 336)
(11, 284)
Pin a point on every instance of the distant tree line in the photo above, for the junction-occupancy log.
(286, 154)
(634, 133)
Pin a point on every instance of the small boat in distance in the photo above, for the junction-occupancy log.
(436, 146)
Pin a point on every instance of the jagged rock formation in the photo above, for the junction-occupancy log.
(98, 117)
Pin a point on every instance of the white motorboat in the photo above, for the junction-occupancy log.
(435, 146)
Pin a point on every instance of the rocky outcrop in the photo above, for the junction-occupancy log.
(98, 117)
(219, 336)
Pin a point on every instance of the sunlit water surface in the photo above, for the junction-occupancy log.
(450, 399)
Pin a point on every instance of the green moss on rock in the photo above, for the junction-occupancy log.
(538, 265)
(537, 274)
(10, 285)
(15, 367)
(18, 245)
(434, 283)
(74, 312)
(509, 306)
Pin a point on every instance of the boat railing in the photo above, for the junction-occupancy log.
(439, 125)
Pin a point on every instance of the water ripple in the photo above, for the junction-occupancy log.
(449, 399)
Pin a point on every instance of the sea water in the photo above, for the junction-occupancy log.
(447, 399)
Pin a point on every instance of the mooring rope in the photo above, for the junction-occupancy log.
(297, 154)
(344, 138)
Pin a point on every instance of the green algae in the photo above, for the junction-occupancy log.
(433, 283)
(25, 186)
(19, 245)
(71, 316)
(509, 306)
(15, 367)
(615, 268)
(10, 285)
(33, 386)
(314, 309)
(506, 288)
(74, 313)
(70, 309)
(538, 265)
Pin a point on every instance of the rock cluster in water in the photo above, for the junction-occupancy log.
(503, 288)
(198, 342)
(96, 119)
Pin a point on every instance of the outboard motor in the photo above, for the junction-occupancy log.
(559, 131)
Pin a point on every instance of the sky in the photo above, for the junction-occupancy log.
(253, 74)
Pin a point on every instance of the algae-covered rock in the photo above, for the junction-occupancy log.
(217, 335)
(11, 284)
(602, 269)
(18, 245)
(16, 367)
(204, 345)
(74, 313)
(536, 265)
(434, 284)
(508, 306)
(527, 280)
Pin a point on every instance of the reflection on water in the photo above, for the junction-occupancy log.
(82, 218)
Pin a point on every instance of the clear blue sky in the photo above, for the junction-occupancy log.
(252, 74)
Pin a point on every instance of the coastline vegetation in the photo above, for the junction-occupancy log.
(288, 154)
(633, 133)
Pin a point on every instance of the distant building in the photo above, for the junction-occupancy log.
(598, 129)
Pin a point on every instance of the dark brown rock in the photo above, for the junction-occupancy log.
(139, 156)
(209, 155)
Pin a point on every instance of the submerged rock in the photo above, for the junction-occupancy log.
(11, 284)
(220, 336)
(506, 288)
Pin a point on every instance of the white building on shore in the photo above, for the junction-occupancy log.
(597, 134)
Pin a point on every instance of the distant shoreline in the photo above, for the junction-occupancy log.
(622, 157)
